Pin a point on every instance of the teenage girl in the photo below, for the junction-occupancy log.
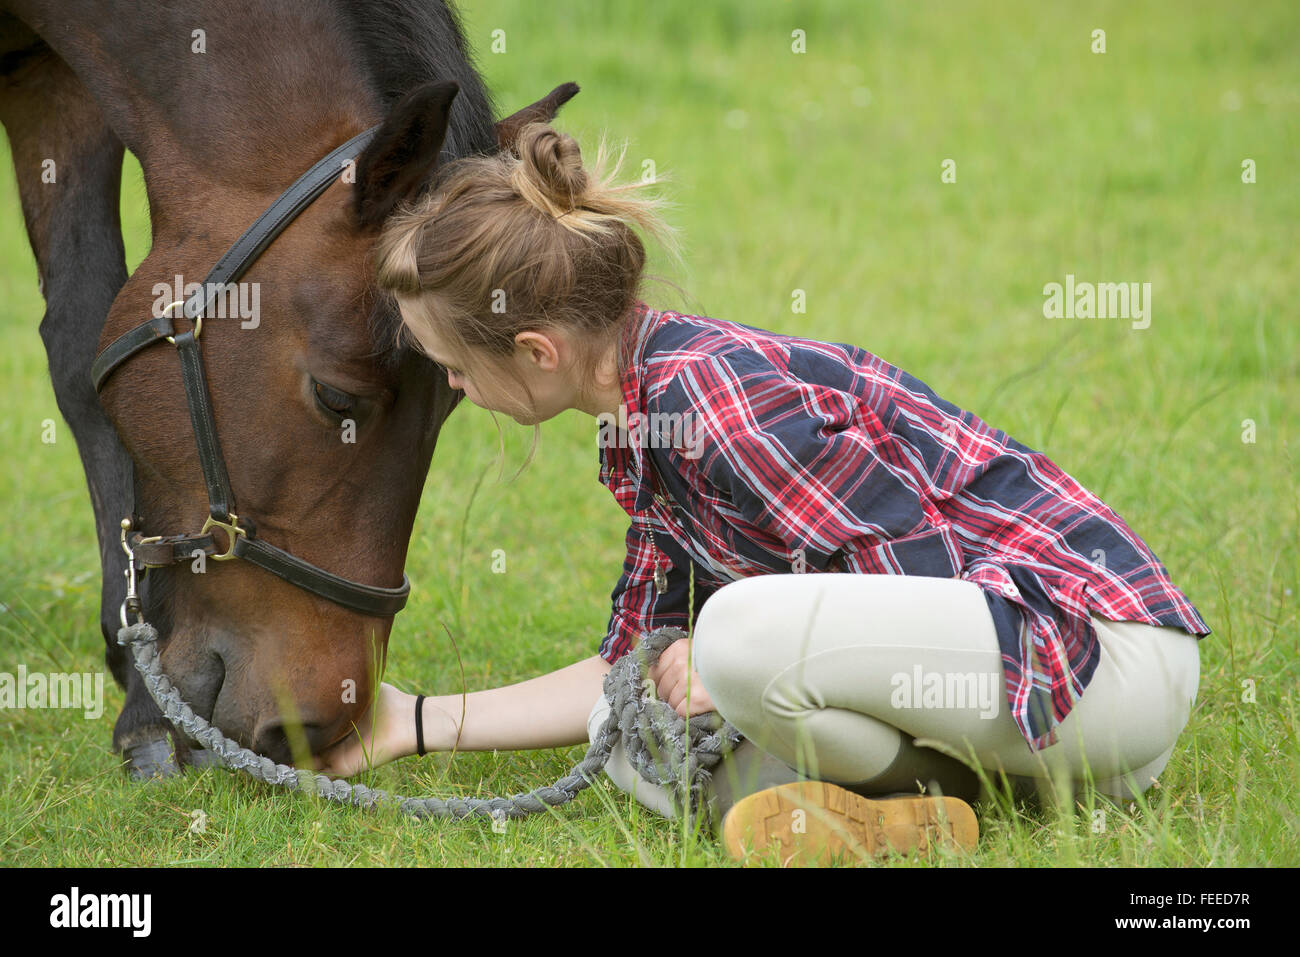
(990, 612)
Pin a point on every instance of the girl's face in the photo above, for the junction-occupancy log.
(536, 361)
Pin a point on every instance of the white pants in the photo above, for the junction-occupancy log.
(835, 676)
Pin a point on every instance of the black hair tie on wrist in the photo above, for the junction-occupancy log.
(419, 725)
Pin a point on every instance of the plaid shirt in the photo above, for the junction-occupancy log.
(777, 454)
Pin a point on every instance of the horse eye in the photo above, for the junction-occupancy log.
(332, 400)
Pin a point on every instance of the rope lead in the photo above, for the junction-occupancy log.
(660, 744)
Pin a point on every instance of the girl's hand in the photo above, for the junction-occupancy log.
(376, 739)
(669, 675)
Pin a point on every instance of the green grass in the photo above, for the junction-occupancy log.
(1121, 166)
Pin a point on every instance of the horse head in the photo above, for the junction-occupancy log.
(326, 429)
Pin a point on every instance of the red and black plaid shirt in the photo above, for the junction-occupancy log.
(773, 454)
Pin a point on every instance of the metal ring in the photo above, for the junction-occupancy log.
(198, 320)
(232, 530)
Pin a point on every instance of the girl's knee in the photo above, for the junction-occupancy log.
(598, 716)
(728, 638)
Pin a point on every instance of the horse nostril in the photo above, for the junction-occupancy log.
(277, 741)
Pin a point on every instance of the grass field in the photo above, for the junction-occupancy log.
(818, 171)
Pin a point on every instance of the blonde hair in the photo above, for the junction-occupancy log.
(520, 240)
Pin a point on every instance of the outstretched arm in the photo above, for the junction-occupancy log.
(549, 711)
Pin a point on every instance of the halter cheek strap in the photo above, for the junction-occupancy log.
(239, 536)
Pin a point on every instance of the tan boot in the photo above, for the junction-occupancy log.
(813, 822)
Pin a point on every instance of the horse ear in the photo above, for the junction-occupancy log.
(400, 160)
(543, 111)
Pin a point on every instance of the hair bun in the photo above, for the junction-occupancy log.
(552, 162)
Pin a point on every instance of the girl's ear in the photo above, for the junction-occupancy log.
(400, 161)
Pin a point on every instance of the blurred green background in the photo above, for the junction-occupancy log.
(817, 171)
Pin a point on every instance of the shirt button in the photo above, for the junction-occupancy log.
(661, 500)
(1010, 590)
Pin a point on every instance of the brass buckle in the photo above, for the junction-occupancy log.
(232, 530)
(198, 320)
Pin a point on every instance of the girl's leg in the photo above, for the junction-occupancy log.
(893, 763)
(620, 770)
(746, 770)
(839, 674)
(1137, 703)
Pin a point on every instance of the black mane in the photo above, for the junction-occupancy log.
(406, 43)
(410, 42)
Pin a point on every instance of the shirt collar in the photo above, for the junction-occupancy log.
(624, 465)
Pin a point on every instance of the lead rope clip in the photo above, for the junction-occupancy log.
(131, 603)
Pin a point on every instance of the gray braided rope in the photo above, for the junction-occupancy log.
(665, 749)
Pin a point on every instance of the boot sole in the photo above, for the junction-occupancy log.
(814, 822)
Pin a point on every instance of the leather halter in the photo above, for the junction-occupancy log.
(241, 535)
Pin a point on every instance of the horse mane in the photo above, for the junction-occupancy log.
(409, 42)
(406, 43)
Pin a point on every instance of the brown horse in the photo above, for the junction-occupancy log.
(225, 104)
